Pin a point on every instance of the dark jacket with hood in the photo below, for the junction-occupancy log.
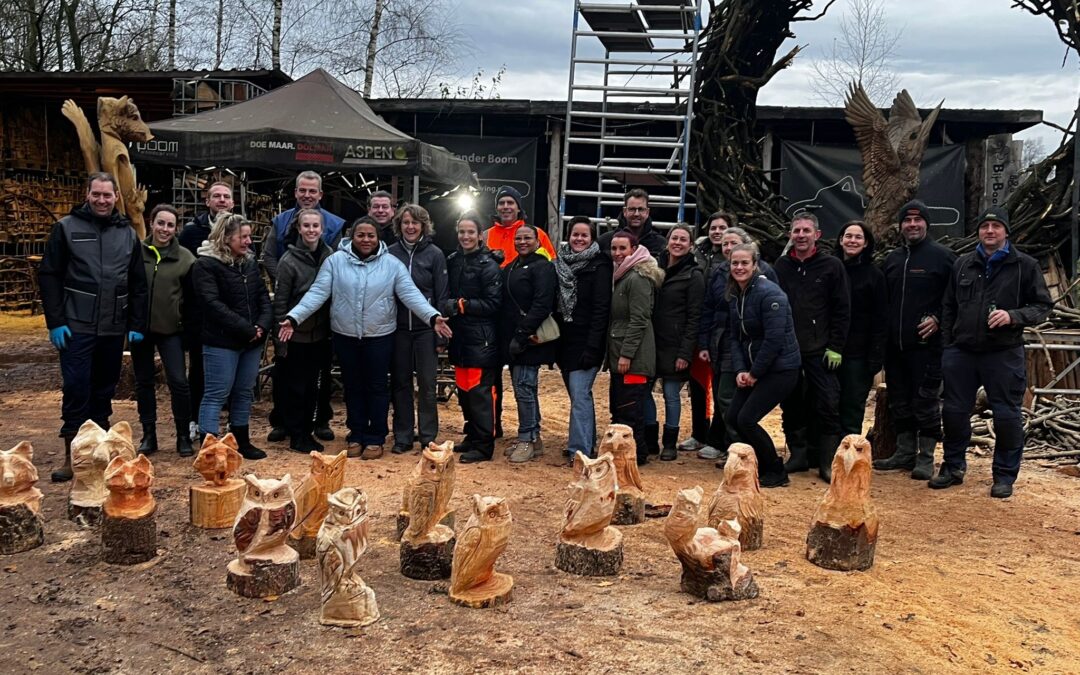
(91, 276)
(195, 233)
(817, 290)
(296, 271)
(280, 235)
(630, 331)
(1012, 282)
(427, 267)
(915, 278)
(474, 287)
(676, 315)
(168, 273)
(583, 341)
(649, 237)
(529, 288)
(869, 306)
(234, 300)
(762, 330)
(712, 329)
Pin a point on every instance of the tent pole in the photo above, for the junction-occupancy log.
(416, 189)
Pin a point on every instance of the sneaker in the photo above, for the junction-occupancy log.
(276, 435)
(323, 432)
(353, 450)
(400, 448)
(691, 445)
(371, 452)
(709, 452)
(1001, 490)
(524, 451)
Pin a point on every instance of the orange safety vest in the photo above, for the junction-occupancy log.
(501, 237)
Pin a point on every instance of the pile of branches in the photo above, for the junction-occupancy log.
(1051, 428)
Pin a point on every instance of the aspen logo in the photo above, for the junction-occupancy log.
(375, 154)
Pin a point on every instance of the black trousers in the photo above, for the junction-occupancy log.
(414, 418)
(855, 382)
(476, 393)
(750, 405)
(627, 403)
(90, 367)
(813, 406)
(172, 360)
(914, 380)
(324, 388)
(296, 381)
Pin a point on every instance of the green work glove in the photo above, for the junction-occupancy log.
(832, 359)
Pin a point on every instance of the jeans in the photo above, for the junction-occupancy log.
(1003, 375)
(526, 380)
(750, 405)
(296, 381)
(172, 360)
(672, 404)
(365, 374)
(582, 435)
(414, 352)
(914, 379)
(230, 374)
(195, 376)
(855, 382)
(90, 367)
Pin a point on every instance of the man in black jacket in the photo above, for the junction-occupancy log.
(635, 219)
(993, 293)
(93, 291)
(817, 288)
(916, 274)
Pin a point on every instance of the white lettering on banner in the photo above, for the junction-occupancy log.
(271, 145)
(158, 146)
(490, 158)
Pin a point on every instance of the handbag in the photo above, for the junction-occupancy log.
(548, 329)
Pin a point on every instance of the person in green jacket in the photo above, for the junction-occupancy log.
(631, 344)
(168, 276)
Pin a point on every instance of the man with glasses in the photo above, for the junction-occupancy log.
(635, 219)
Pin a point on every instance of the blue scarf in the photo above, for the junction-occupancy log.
(993, 262)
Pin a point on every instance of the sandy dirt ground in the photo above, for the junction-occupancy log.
(961, 583)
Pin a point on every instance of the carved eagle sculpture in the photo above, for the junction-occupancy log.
(892, 152)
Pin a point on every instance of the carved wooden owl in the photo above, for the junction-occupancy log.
(427, 494)
(219, 459)
(326, 477)
(343, 538)
(848, 497)
(128, 482)
(481, 542)
(592, 497)
(17, 477)
(265, 518)
(619, 442)
(739, 495)
(91, 451)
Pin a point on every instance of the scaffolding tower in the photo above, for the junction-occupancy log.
(629, 109)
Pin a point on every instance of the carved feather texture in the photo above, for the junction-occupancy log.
(480, 543)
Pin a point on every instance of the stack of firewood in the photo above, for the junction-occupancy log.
(1051, 429)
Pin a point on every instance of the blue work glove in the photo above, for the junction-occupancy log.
(59, 336)
(134, 337)
(832, 359)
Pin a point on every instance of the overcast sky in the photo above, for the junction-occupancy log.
(972, 53)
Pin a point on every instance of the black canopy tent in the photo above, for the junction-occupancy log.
(313, 123)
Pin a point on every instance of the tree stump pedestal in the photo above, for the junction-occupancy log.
(215, 506)
(716, 585)
(496, 591)
(600, 557)
(629, 508)
(841, 548)
(429, 559)
(264, 578)
(21, 528)
(882, 435)
(127, 541)
(86, 517)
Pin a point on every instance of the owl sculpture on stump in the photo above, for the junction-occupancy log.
(214, 503)
(739, 497)
(474, 581)
(892, 152)
(403, 515)
(264, 564)
(588, 544)
(129, 529)
(327, 476)
(618, 441)
(843, 534)
(91, 451)
(427, 546)
(21, 524)
(342, 539)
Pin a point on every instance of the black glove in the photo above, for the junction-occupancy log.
(516, 347)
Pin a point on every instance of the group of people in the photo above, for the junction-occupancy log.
(808, 333)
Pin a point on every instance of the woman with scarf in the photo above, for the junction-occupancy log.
(475, 298)
(864, 352)
(631, 345)
(529, 285)
(675, 323)
(168, 276)
(296, 375)
(583, 305)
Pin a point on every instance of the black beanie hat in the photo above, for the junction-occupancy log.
(913, 205)
(997, 213)
(507, 191)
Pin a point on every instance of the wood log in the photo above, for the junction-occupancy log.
(882, 435)
(21, 529)
(496, 591)
(215, 506)
(843, 532)
(841, 548)
(86, 517)
(403, 523)
(716, 585)
(431, 558)
(739, 497)
(601, 558)
(264, 578)
(629, 508)
(127, 541)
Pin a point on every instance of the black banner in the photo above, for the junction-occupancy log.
(827, 180)
(496, 160)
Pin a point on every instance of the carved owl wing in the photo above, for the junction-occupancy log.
(281, 519)
(908, 131)
(423, 500)
(470, 555)
(880, 161)
(331, 551)
(307, 502)
(245, 528)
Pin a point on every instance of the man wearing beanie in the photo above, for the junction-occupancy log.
(916, 274)
(511, 216)
(993, 293)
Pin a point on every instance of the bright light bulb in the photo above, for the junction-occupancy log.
(465, 201)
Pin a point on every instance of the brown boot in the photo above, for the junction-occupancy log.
(64, 474)
(371, 452)
(353, 450)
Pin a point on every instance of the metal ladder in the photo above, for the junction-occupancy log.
(629, 109)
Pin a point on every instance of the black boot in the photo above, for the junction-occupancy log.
(183, 440)
(826, 452)
(924, 461)
(148, 444)
(904, 455)
(670, 449)
(652, 438)
(796, 445)
(247, 450)
(64, 474)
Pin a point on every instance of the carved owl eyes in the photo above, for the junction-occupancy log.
(276, 495)
(256, 493)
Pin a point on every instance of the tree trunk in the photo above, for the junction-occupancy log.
(21, 528)
(218, 31)
(265, 578)
(373, 41)
(127, 541)
(275, 37)
(431, 559)
(603, 560)
(172, 35)
(882, 435)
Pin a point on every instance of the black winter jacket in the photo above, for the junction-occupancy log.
(296, 271)
(1016, 285)
(234, 301)
(817, 289)
(195, 233)
(529, 287)
(712, 329)
(915, 279)
(653, 240)
(583, 341)
(762, 330)
(427, 266)
(869, 310)
(475, 299)
(676, 314)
